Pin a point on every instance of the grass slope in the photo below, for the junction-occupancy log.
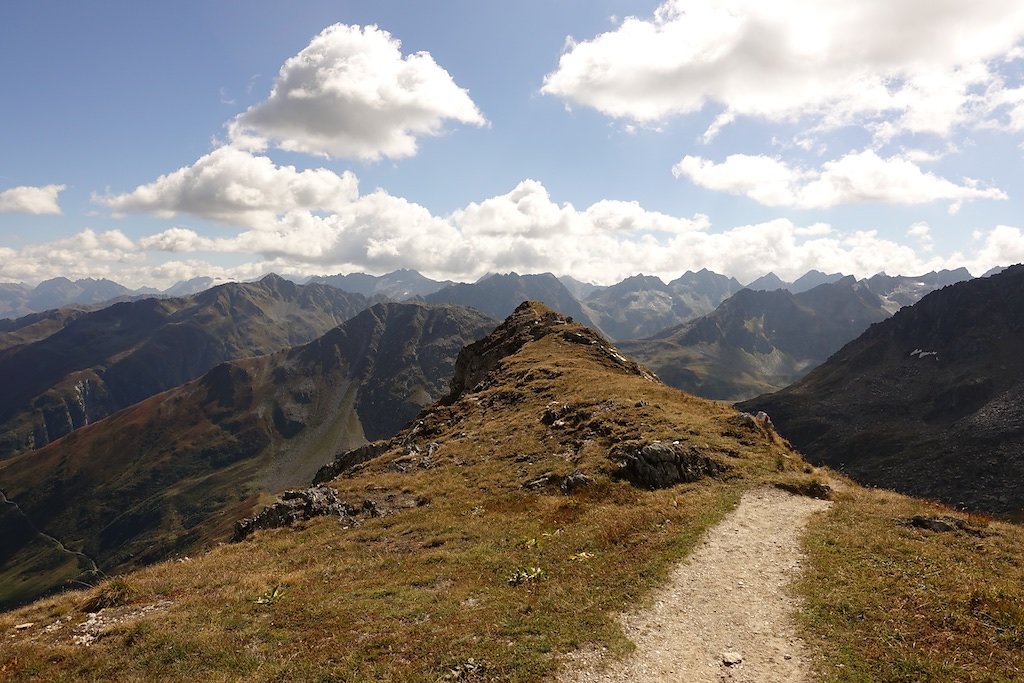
(886, 601)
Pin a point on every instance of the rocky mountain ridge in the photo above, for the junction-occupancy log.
(757, 341)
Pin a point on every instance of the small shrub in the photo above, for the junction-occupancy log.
(270, 597)
(114, 593)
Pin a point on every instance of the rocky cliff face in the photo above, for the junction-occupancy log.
(928, 402)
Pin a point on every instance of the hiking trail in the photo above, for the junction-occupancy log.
(725, 613)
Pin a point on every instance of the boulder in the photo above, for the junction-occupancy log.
(660, 464)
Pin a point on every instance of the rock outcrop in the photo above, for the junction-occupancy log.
(660, 464)
(297, 506)
(349, 459)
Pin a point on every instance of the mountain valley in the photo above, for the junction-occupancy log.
(174, 472)
(74, 367)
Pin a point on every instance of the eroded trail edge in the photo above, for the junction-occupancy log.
(726, 613)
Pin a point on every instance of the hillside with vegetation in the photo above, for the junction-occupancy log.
(172, 473)
(501, 533)
(90, 365)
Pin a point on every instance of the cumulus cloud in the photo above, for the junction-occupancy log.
(351, 93)
(915, 66)
(922, 232)
(523, 230)
(237, 187)
(178, 240)
(1000, 246)
(854, 178)
(86, 254)
(28, 199)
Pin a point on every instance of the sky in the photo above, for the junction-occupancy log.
(155, 142)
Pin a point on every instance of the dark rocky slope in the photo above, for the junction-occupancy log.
(929, 402)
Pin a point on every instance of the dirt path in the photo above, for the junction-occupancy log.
(727, 602)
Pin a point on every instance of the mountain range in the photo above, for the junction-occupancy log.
(757, 341)
(175, 471)
(398, 285)
(760, 341)
(78, 367)
(18, 300)
(928, 402)
(498, 295)
(642, 305)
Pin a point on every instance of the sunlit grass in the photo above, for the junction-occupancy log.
(890, 602)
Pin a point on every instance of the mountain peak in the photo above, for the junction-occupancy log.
(768, 282)
(531, 321)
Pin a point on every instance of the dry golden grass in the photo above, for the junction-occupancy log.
(891, 602)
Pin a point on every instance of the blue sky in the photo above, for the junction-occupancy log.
(150, 143)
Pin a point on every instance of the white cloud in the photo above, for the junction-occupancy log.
(523, 230)
(177, 240)
(28, 199)
(86, 254)
(922, 232)
(234, 186)
(1000, 246)
(817, 229)
(351, 93)
(917, 66)
(854, 178)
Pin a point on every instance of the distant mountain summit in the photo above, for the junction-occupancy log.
(399, 285)
(633, 307)
(759, 340)
(929, 402)
(704, 289)
(17, 300)
(642, 305)
(809, 280)
(768, 283)
(498, 295)
(897, 291)
(812, 279)
(189, 287)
